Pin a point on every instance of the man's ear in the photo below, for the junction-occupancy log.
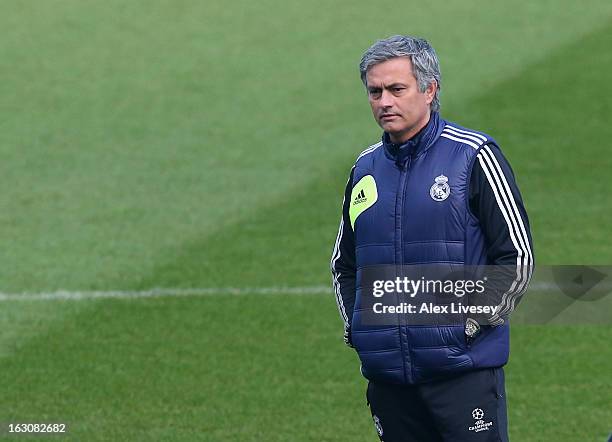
(431, 91)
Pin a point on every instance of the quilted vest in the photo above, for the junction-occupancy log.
(421, 215)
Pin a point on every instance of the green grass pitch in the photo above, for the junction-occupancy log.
(201, 144)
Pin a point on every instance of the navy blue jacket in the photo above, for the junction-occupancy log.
(446, 196)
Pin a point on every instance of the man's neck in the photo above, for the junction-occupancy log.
(404, 138)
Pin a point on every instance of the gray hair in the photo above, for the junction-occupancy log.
(425, 64)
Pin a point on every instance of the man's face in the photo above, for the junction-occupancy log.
(398, 106)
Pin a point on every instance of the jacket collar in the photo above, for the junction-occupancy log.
(418, 144)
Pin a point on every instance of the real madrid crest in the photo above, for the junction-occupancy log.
(440, 189)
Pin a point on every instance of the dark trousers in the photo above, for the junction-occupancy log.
(467, 407)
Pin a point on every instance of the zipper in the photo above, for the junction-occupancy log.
(399, 248)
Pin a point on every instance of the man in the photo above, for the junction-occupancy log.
(429, 192)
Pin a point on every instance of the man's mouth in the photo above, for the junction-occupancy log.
(387, 117)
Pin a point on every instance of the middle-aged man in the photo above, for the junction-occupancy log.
(430, 191)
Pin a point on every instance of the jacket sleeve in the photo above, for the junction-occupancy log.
(496, 201)
(343, 264)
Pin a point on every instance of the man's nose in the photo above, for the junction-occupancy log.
(386, 99)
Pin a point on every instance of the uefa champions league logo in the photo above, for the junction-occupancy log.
(480, 424)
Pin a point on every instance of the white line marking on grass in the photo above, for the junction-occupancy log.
(65, 295)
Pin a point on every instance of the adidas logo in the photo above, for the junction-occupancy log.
(360, 198)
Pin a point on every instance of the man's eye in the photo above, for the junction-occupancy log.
(398, 89)
(375, 92)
